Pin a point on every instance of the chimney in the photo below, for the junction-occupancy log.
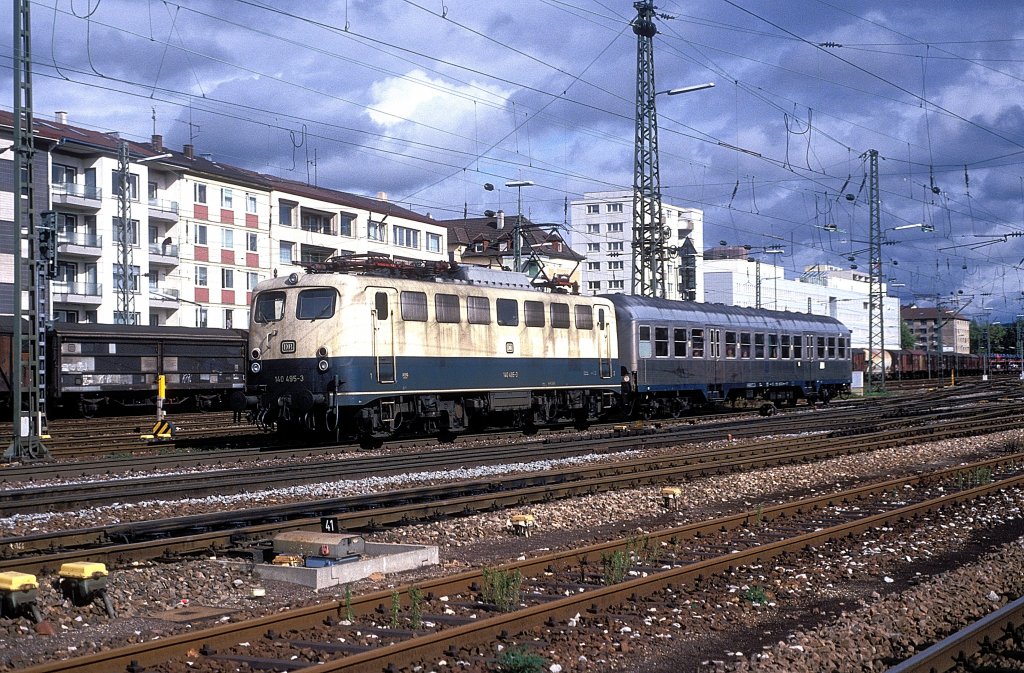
(501, 220)
(61, 116)
(189, 152)
(158, 143)
(382, 196)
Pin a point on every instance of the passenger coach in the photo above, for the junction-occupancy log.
(357, 347)
(675, 355)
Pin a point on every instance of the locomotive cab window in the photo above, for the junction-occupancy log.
(446, 308)
(478, 310)
(534, 312)
(508, 312)
(584, 316)
(560, 315)
(414, 306)
(316, 304)
(269, 306)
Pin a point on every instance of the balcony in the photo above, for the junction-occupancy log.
(71, 292)
(160, 297)
(75, 196)
(163, 255)
(75, 244)
(165, 211)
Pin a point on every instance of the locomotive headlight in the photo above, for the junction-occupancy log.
(255, 367)
(321, 352)
(322, 365)
(625, 378)
(255, 355)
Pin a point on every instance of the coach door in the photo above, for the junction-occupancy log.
(604, 345)
(382, 303)
(715, 366)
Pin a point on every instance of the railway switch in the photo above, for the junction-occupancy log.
(18, 595)
(670, 496)
(85, 583)
(520, 524)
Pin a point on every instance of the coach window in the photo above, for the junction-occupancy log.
(697, 343)
(414, 306)
(679, 342)
(508, 312)
(446, 308)
(744, 344)
(785, 347)
(730, 344)
(560, 316)
(759, 346)
(644, 350)
(821, 348)
(316, 304)
(842, 348)
(661, 342)
(584, 316)
(269, 307)
(831, 348)
(534, 313)
(478, 310)
(798, 347)
(380, 304)
(773, 346)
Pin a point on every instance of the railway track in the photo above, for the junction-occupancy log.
(565, 597)
(227, 530)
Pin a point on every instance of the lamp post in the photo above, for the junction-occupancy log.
(517, 234)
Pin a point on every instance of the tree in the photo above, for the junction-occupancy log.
(907, 338)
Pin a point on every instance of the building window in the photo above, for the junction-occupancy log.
(593, 209)
(286, 211)
(376, 231)
(593, 247)
(200, 193)
(614, 208)
(202, 317)
(287, 252)
(616, 285)
(133, 231)
(200, 234)
(227, 278)
(229, 318)
(251, 242)
(593, 266)
(133, 185)
(346, 223)
(615, 266)
(251, 279)
(594, 285)
(433, 242)
(201, 276)
(316, 222)
(63, 175)
(615, 227)
(250, 203)
(227, 238)
(593, 228)
(406, 238)
(227, 198)
(133, 278)
(614, 247)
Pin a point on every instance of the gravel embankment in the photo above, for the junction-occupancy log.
(140, 593)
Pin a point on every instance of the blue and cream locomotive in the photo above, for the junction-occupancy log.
(357, 347)
(370, 347)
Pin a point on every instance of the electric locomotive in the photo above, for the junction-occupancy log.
(369, 347)
(676, 355)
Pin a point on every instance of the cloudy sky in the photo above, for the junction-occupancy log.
(426, 100)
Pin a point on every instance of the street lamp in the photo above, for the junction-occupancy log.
(769, 250)
(517, 235)
(686, 89)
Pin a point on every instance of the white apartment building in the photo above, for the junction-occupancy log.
(202, 233)
(839, 293)
(602, 229)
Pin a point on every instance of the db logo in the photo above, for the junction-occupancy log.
(325, 550)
